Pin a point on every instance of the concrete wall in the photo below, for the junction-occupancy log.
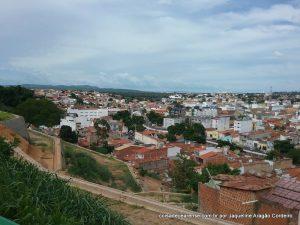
(17, 125)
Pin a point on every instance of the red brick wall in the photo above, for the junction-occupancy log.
(218, 159)
(209, 199)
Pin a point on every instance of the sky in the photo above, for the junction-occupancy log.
(154, 45)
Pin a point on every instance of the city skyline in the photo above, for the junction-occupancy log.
(163, 45)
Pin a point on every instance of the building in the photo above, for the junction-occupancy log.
(172, 121)
(89, 113)
(239, 195)
(148, 137)
(75, 122)
(205, 112)
(221, 123)
(243, 125)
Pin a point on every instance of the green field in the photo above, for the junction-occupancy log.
(5, 116)
(120, 176)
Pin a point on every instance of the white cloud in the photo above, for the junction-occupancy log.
(155, 46)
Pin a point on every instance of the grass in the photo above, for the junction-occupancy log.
(121, 177)
(83, 165)
(29, 196)
(5, 116)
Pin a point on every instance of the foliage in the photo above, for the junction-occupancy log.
(131, 183)
(131, 122)
(284, 149)
(83, 165)
(14, 95)
(6, 148)
(68, 135)
(78, 99)
(29, 196)
(183, 173)
(215, 170)
(39, 112)
(185, 177)
(193, 132)
(105, 149)
(143, 173)
(5, 116)
(155, 118)
(102, 128)
(232, 146)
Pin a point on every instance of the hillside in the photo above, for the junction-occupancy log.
(29, 196)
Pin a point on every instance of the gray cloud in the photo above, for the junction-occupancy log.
(153, 45)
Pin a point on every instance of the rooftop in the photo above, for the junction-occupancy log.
(286, 193)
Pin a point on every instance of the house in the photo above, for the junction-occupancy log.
(212, 134)
(243, 125)
(172, 121)
(221, 123)
(234, 195)
(282, 202)
(148, 137)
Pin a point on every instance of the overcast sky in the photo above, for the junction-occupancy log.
(159, 45)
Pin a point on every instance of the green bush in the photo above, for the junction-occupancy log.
(131, 183)
(85, 166)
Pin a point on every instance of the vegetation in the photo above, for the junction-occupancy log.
(120, 174)
(78, 99)
(143, 173)
(102, 128)
(232, 146)
(39, 112)
(29, 196)
(83, 165)
(12, 96)
(68, 135)
(5, 116)
(284, 149)
(192, 132)
(105, 149)
(155, 118)
(185, 178)
(131, 122)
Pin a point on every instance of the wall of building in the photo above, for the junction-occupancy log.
(208, 199)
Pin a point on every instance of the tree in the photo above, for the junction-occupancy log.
(183, 174)
(39, 112)
(194, 132)
(131, 122)
(283, 146)
(102, 128)
(68, 135)
(155, 118)
(14, 95)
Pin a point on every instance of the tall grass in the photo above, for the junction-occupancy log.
(29, 197)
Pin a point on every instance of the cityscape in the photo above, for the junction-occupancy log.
(173, 112)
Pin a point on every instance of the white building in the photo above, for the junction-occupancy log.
(175, 96)
(75, 122)
(171, 121)
(243, 125)
(89, 113)
(173, 151)
(221, 123)
(205, 111)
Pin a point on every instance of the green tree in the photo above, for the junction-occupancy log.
(102, 127)
(155, 118)
(68, 135)
(14, 95)
(39, 112)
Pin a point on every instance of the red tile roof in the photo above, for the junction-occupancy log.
(208, 155)
(244, 182)
(286, 193)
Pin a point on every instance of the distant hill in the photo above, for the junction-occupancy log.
(129, 93)
(78, 87)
